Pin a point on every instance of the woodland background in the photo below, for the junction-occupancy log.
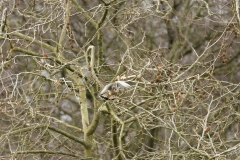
(180, 56)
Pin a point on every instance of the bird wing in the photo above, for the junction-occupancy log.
(107, 87)
(123, 84)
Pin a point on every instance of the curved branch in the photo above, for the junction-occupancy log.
(93, 126)
(68, 135)
(28, 38)
(85, 13)
(92, 62)
(50, 152)
(28, 52)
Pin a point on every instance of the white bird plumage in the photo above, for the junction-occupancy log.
(110, 91)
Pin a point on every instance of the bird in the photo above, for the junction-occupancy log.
(111, 90)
